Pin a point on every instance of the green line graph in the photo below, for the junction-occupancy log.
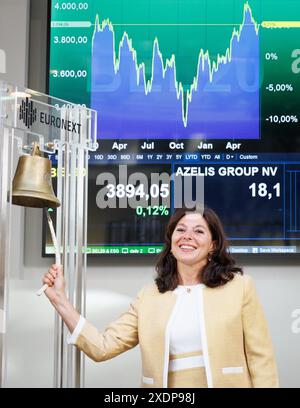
(182, 27)
(203, 57)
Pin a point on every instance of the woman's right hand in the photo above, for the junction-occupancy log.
(54, 278)
(55, 292)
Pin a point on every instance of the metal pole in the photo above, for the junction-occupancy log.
(6, 138)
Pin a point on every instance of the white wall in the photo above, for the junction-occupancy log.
(278, 283)
(111, 282)
(14, 25)
(14, 22)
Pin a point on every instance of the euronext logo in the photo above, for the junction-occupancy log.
(27, 113)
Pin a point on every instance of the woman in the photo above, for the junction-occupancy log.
(199, 325)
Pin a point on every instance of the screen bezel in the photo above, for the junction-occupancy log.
(295, 255)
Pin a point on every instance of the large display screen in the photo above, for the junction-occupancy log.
(187, 89)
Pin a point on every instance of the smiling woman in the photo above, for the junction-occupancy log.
(191, 245)
(201, 323)
(218, 335)
(195, 251)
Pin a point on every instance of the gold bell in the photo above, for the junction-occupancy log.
(32, 186)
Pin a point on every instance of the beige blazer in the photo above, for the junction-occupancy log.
(237, 348)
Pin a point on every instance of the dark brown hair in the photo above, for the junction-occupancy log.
(218, 271)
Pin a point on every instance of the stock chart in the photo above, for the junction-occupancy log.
(185, 88)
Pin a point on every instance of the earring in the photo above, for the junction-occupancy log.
(209, 257)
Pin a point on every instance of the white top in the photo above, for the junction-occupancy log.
(185, 332)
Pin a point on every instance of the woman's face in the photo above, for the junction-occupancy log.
(191, 240)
